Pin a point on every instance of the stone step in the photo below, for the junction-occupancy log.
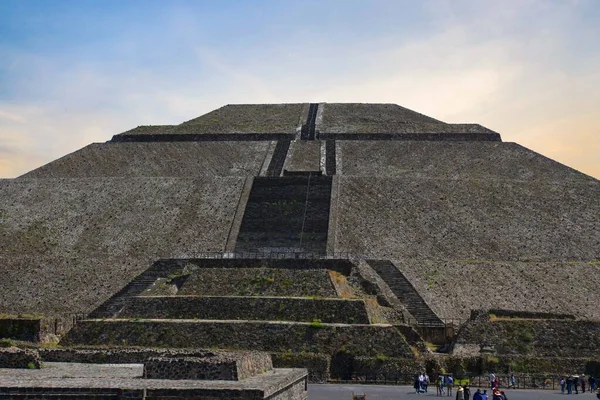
(358, 339)
(299, 309)
(406, 293)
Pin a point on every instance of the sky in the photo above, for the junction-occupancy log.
(73, 72)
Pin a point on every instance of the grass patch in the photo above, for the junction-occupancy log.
(431, 346)
(316, 324)
(6, 343)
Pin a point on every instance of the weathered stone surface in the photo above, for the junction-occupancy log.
(471, 161)
(317, 364)
(12, 357)
(164, 159)
(454, 288)
(248, 308)
(68, 244)
(258, 282)
(117, 355)
(240, 335)
(534, 338)
(386, 218)
(238, 119)
(365, 118)
(82, 380)
(25, 329)
(303, 156)
(221, 366)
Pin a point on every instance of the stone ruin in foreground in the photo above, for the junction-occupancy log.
(347, 239)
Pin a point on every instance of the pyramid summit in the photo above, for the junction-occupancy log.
(245, 228)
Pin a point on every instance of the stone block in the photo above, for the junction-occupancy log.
(220, 366)
(13, 357)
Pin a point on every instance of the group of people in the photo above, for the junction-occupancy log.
(445, 382)
(573, 382)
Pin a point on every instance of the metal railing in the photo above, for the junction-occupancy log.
(275, 254)
(522, 381)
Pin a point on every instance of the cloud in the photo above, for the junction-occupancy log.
(514, 67)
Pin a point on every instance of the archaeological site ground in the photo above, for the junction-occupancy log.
(246, 252)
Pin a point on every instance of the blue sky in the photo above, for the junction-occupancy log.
(78, 71)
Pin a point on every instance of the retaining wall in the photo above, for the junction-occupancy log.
(247, 308)
(254, 335)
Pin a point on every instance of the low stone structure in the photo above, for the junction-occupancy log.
(222, 366)
(215, 375)
(13, 357)
(530, 337)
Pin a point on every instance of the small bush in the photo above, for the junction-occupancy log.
(382, 357)
(316, 324)
(6, 343)
(31, 365)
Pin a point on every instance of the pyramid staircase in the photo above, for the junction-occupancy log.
(288, 307)
(406, 293)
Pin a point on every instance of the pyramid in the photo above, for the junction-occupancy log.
(311, 228)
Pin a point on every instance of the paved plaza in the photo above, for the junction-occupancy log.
(377, 392)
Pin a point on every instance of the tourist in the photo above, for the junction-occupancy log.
(426, 382)
(477, 395)
(460, 393)
(467, 392)
(416, 385)
(449, 384)
(496, 395)
(495, 384)
(503, 395)
(513, 381)
(562, 385)
(484, 395)
(592, 382)
(582, 380)
(576, 383)
(492, 379)
(421, 383)
(569, 384)
(440, 384)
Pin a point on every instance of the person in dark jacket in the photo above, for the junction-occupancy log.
(582, 380)
(477, 395)
(569, 384)
(576, 384)
(467, 392)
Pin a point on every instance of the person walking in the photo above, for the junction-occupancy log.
(449, 384)
(592, 382)
(484, 395)
(513, 381)
(460, 393)
(492, 379)
(416, 385)
(562, 385)
(467, 392)
(426, 382)
(421, 383)
(576, 383)
(439, 384)
(477, 395)
(582, 380)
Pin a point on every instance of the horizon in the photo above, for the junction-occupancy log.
(79, 72)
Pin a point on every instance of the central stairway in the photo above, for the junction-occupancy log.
(286, 214)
